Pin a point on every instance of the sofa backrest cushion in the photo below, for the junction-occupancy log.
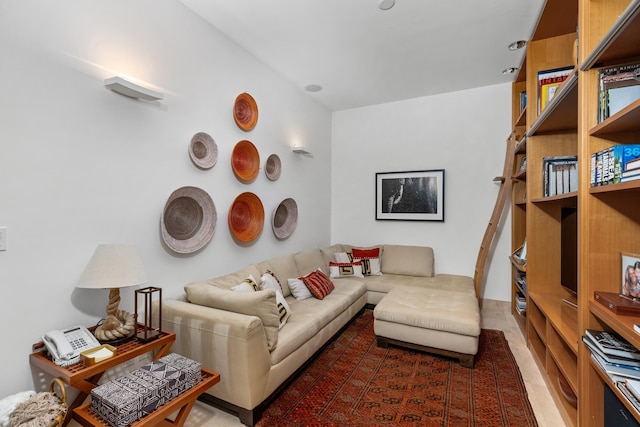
(329, 255)
(308, 261)
(233, 279)
(261, 304)
(408, 260)
(282, 268)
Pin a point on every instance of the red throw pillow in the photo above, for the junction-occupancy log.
(366, 253)
(318, 284)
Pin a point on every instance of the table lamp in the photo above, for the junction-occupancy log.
(114, 266)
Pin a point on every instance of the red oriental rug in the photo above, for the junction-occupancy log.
(355, 383)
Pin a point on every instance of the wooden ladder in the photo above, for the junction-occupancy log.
(498, 209)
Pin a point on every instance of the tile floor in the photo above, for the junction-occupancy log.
(495, 315)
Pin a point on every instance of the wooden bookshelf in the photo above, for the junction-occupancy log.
(608, 33)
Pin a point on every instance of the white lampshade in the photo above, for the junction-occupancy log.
(113, 266)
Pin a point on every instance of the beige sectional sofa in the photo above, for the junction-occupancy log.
(239, 334)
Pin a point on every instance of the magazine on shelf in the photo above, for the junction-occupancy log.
(624, 388)
(619, 87)
(615, 372)
(612, 344)
(608, 358)
(548, 83)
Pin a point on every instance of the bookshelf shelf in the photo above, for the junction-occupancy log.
(625, 120)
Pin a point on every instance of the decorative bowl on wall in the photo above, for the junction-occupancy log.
(246, 217)
(188, 220)
(245, 112)
(285, 218)
(203, 150)
(245, 161)
(273, 167)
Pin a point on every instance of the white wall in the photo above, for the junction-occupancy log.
(463, 133)
(81, 165)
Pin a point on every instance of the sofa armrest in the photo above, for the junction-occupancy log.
(232, 344)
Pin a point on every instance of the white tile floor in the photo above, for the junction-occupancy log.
(495, 315)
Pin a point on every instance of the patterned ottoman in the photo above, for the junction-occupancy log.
(130, 397)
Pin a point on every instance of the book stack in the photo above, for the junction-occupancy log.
(548, 83)
(630, 388)
(521, 303)
(619, 87)
(613, 354)
(620, 163)
(560, 175)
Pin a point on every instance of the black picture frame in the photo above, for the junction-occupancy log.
(410, 195)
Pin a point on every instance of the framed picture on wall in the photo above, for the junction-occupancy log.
(410, 196)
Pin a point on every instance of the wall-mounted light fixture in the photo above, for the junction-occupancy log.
(132, 90)
(299, 149)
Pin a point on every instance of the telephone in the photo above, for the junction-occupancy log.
(66, 345)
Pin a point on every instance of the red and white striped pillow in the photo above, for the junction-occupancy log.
(318, 283)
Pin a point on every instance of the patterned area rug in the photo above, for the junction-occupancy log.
(355, 383)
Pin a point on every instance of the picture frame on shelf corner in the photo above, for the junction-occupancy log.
(410, 196)
(630, 275)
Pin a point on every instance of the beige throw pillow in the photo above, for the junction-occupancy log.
(260, 303)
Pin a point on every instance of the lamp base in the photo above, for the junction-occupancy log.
(121, 324)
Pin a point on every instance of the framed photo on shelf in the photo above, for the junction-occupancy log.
(630, 264)
(410, 196)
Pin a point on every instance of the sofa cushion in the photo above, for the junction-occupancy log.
(328, 255)
(307, 261)
(408, 260)
(282, 268)
(233, 279)
(260, 303)
(284, 311)
(270, 281)
(311, 315)
(318, 283)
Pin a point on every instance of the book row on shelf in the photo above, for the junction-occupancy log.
(619, 86)
(620, 163)
(521, 303)
(560, 175)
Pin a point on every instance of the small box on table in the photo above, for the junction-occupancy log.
(130, 397)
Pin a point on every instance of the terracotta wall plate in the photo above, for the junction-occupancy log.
(245, 112)
(245, 161)
(246, 217)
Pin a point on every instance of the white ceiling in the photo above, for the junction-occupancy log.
(362, 55)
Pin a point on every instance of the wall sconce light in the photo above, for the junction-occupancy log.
(132, 90)
(298, 149)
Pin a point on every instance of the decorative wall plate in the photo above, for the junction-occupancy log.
(245, 112)
(272, 167)
(245, 161)
(246, 217)
(188, 220)
(203, 150)
(285, 218)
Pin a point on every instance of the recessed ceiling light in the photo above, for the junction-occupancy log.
(313, 88)
(386, 4)
(517, 45)
(510, 70)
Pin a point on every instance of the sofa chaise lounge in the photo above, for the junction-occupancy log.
(257, 342)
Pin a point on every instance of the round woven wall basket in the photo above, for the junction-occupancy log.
(272, 167)
(246, 217)
(245, 112)
(285, 218)
(188, 220)
(203, 150)
(245, 161)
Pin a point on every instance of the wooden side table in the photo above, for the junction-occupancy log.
(182, 403)
(85, 378)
